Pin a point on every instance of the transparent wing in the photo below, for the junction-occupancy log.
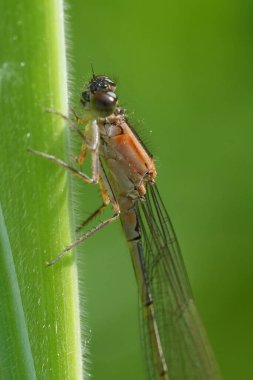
(185, 344)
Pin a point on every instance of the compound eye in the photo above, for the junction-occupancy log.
(104, 103)
(86, 96)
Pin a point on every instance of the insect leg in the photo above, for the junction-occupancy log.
(84, 237)
(112, 199)
(70, 122)
(92, 143)
(106, 201)
(59, 162)
(75, 117)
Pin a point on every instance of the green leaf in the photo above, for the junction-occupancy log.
(13, 330)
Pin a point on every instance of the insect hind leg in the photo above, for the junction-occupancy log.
(106, 201)
(84, 237)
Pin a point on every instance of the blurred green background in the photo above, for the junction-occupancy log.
(184, 72)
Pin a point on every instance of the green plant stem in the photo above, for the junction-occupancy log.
(40, 308)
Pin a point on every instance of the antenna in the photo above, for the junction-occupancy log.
(92, 70)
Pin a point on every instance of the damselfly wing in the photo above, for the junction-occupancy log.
(186, 349)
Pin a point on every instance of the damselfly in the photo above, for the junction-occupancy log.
(175, 342)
